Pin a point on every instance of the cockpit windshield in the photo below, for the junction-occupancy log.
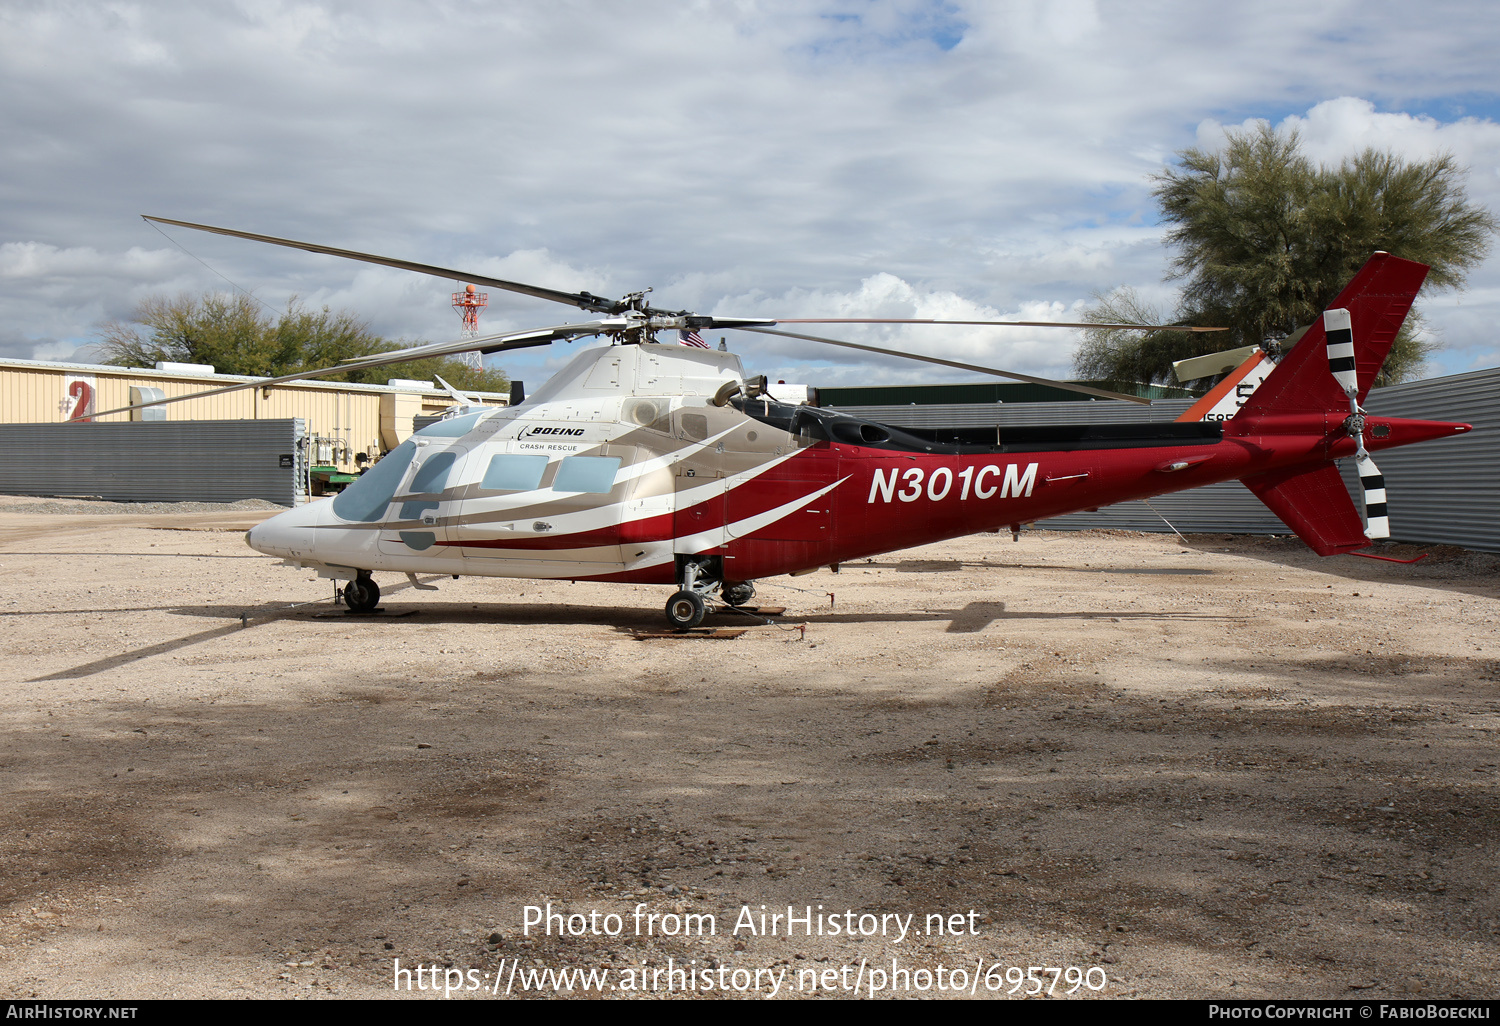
(365, 500)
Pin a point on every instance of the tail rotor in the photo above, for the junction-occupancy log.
(1339, 329)
(1377, 524)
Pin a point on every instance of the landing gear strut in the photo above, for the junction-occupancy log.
(688, 606)
(362, 594)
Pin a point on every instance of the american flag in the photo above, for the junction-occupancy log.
(691, 338)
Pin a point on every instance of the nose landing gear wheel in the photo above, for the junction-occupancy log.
(686, 610)
(362, 595)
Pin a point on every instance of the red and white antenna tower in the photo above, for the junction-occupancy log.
(468, 303)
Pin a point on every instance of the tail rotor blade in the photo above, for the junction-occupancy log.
(1377, 523)
(1340, 331)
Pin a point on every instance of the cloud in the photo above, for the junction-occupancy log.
(999, 154)
(1337, 129)
(1039, 351)
(39, 261)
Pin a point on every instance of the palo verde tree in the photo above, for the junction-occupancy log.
(1265, 240)
(237, 336)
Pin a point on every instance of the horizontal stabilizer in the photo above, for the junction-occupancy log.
(1197, 367)
(1315, 504)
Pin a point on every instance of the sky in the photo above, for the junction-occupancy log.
(743, 158)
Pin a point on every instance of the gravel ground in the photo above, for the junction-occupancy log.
(50, 507)
(1226, 768)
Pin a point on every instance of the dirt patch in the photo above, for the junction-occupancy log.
(1206, 771)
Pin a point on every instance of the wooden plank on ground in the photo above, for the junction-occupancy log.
(696, 634)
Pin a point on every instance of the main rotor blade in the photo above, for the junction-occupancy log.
(1068, 385)
(485, 344)
(582, 300)
(997, 324)
(495, 343)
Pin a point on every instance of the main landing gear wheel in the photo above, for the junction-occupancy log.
(686, 610)
(362, 595)
(738, 594)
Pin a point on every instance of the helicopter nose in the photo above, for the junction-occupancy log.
(287, 534)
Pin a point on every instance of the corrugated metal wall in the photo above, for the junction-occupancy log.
(190, 461)
(1444, 492)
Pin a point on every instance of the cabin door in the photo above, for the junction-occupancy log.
(421, 516)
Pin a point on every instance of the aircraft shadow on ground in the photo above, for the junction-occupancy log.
(1447, 568)
(970, 619)
(928, 566)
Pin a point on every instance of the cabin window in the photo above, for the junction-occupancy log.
(586, 474)
(413, 510)
(432, 475)
(513, 472)
(365, 500)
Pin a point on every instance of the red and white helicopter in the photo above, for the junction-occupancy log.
(652, 463)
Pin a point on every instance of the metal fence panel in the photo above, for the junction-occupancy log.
(171, 461)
